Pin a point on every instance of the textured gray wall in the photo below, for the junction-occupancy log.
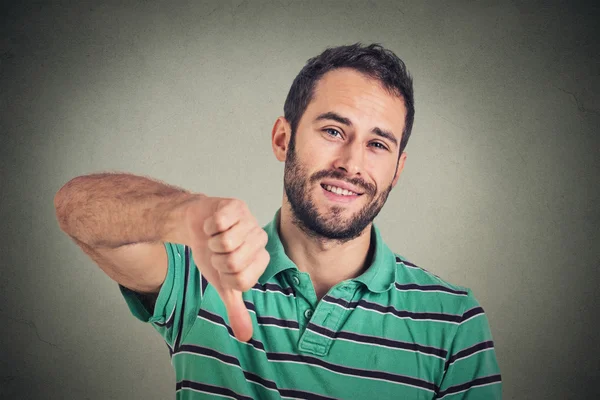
(498, 192)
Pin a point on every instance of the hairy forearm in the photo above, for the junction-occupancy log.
(114, 209)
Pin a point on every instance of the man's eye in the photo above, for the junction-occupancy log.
(332, 132)
(380, 145)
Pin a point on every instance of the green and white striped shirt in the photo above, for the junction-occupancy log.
(397, 331)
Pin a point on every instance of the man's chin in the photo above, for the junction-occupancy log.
(334, 227)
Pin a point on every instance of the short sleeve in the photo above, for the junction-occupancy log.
(471, 371)
(178, 301)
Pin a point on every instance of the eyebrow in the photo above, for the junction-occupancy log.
(346, 121)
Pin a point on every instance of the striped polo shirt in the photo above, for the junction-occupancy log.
(396, 331)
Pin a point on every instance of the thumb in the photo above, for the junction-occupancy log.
(239, 317)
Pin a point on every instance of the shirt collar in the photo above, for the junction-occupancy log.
(379, 277)
(279, 261)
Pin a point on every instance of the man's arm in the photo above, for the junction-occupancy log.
(121, 221)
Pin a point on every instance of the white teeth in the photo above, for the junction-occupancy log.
(340, 191)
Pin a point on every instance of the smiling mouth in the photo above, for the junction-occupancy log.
(339, 191)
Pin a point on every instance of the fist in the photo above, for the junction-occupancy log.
(228, 246)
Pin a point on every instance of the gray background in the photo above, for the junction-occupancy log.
(498, 192)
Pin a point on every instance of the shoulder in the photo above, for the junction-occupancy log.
(409, 272)
(433, 292)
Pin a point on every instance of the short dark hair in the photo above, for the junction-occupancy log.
(374, 61)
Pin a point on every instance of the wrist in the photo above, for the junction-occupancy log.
(176, 224)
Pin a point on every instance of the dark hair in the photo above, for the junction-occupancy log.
(374, 61)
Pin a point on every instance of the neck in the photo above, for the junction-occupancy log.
(327, 261)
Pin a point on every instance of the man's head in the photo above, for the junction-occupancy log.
(374, 61)
(348, 117)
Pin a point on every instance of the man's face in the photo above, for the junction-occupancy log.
(349, 136)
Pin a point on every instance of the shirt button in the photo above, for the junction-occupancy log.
(308, 313)
(296, 280)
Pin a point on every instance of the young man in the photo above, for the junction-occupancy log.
(314, 305)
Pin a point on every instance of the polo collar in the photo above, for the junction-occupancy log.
(378, 278)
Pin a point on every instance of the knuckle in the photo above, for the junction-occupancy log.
(243, 282)
(226, 243)
(220, 221)
(232, 263)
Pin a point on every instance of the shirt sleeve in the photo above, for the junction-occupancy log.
(471, 371)
(179, 300)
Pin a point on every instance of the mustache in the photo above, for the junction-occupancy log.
(342, 176)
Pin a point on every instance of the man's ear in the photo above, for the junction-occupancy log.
(280, 137)
(399, 168)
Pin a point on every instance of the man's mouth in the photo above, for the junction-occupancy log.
(339, 191)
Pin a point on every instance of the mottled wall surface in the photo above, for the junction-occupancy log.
(500, 191)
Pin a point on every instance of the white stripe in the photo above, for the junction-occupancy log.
(410, 266)
(171, 315)
(469, 356)
(471, 317)
(277, 326)
(378, 344)
(270, 324)
(273, 291)
(324, 299)
(431, 291)
(474, 386)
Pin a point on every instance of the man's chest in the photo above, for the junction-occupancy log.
(342, 346)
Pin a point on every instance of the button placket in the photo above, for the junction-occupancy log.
(311, 342)
(330, 316)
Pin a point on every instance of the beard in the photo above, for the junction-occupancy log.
(330, 225)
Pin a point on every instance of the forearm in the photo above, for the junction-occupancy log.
(112, 210)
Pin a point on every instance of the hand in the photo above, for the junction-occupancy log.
(228, 246)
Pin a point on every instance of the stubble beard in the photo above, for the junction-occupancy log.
(305, 215)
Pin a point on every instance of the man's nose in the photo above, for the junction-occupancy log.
(350, 159)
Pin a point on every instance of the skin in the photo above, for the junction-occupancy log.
(331, 240)
(121, 221)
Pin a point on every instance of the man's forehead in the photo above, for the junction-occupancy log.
(348, 86)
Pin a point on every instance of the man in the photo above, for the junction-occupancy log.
(314, 305)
